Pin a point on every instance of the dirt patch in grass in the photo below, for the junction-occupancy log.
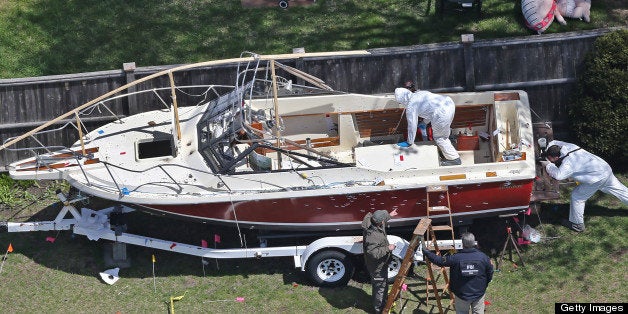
(617, 255)
(618, 9)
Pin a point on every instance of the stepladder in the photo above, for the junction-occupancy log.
(439, 211)
(437, 278)
(426, 234)
(438, 206)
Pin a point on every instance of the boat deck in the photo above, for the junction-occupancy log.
(362, 130)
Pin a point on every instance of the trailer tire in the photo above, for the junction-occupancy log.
(329, 268)
(393, 268)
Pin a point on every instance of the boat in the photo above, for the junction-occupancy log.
(281, 150)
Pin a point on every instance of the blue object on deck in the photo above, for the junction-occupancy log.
(423, 128)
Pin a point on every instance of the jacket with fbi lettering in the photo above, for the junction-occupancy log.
(470, 272)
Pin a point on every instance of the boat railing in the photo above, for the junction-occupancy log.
(94, 113)
(162, 167)
(265, 73)
(124, 192)
(247, 58)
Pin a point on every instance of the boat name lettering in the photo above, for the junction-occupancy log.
(511, 186)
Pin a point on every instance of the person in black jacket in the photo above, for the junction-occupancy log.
(470, 271)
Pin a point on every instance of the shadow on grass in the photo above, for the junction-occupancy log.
(553, 213)
(569, 252)
(567, 258)
(76, 254)
(347, 297)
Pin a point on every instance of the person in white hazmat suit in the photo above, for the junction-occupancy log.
(434, 108)
(591, 173)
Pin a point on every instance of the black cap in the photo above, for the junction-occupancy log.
(553, 151)
(409, 85)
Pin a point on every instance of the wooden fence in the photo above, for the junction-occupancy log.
(545, 66)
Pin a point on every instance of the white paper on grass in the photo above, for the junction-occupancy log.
(110, 276)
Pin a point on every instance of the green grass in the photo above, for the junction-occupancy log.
(57, 37)
(16, 195)
(40, 276)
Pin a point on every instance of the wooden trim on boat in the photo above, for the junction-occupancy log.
(453, 177)
(381, 122)
(386, 122)
(506, 96)
(91, 150)
(91, 161)
(474, 115)
(59, 165)
(315, 143)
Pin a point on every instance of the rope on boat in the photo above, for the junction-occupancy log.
(235, 218)
(399, 122)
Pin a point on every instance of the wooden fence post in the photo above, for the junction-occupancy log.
(131, 104)
(469, 68)
(299, 64)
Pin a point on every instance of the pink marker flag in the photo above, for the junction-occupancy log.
(203, 243)
(50, 239)
(404, 287)
(240, 299)
(216, 238)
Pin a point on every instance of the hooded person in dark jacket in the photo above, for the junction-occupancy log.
(377, 252)
(470, 272)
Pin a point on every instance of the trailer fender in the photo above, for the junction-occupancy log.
(350, 244)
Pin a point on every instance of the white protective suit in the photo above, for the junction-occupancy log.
(591, 172)
(433, 108)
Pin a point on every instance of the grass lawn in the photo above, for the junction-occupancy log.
(40, 276)
(57, 37)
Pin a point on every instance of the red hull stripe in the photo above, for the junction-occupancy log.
(351, 208)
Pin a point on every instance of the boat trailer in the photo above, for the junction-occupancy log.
(327, 260)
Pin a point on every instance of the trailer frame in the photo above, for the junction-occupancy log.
(326, 260)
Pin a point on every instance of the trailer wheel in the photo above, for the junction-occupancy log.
(393, 268)
(330, 268)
